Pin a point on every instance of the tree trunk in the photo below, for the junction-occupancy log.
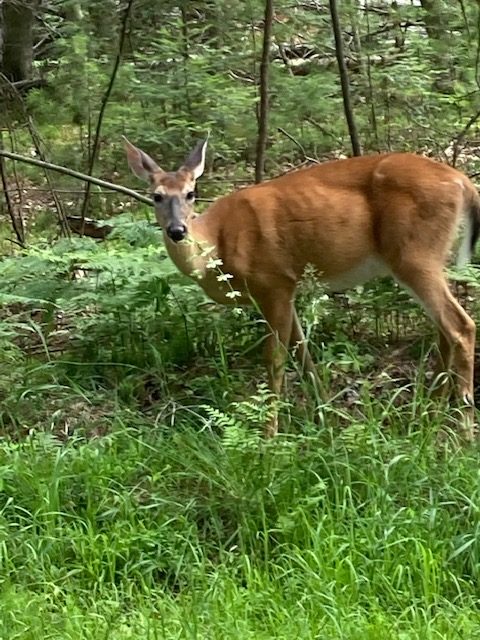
(17, 49)
(263, 111)
(342, 67)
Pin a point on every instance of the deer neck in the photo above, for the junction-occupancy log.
(194, 255)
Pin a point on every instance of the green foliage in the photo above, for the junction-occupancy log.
(137, 499)
(372, 537)
(189, 70)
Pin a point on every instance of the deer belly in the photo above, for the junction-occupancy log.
(364, 271)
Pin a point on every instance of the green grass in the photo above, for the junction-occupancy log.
(137, 499)
(175, 533)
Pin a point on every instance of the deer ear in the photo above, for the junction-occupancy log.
(195, 163)
(139, 162)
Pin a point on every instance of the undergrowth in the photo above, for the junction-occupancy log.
(138, 500)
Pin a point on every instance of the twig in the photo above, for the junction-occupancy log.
(465, 19)
(323, 130)
(24, 85)
(186, 58)
(298, 144)
(103, 106)
(100, 194)
(283, 55)
(76, 174)
(459, 138)
(373, 111)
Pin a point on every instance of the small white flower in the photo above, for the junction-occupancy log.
(213, 263)
(233, 294)
(223, 277)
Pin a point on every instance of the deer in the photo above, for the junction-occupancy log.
(350, 220)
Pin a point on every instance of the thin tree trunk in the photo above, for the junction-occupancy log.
(103, 106)
(38, 148)
(8, 201)
(264, 102)
(342, 68)
(19, 194)
(16, 95)
(186, 59)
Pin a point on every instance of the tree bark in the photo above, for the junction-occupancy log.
(17, 46)
(264, 97)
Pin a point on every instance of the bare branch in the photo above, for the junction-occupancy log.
(460, 137)
(298, 144)
(76, 174)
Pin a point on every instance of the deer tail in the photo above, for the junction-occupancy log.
(471, 231)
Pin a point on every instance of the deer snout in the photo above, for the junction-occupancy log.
(176, 231)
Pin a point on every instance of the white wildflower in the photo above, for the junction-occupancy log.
(223, 277)
(213, 263)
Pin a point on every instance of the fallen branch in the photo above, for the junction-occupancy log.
(76, 174)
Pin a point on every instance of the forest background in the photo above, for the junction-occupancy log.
(137, 499)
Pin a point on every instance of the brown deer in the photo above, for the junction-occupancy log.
(352, 220)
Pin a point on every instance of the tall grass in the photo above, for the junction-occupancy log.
(159, 533)
(137, 499)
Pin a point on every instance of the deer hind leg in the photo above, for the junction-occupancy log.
(457, 330)
(278, 312)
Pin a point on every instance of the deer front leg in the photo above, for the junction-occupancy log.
(277, 309)
(457, 346)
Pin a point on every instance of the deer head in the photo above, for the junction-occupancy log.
(173, 192)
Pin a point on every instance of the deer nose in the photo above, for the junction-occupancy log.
(176, 232)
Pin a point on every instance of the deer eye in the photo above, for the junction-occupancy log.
(190, 195)
(157, 197)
